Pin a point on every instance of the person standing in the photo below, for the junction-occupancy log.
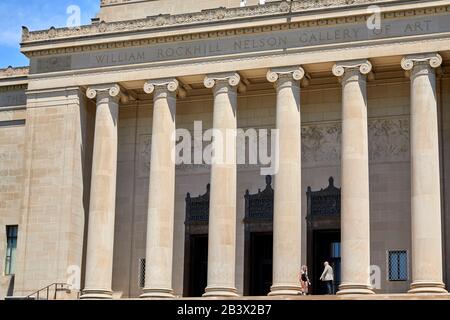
(304, 280)
(327, 278)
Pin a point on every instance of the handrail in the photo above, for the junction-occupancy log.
(58, 287)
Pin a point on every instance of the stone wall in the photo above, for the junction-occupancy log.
(444, 103)
(51, 238)
(12, 141)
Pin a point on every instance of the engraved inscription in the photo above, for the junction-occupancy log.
(278, 41)
(61, 63)
(118, 58)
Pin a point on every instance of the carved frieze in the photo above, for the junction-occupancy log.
(145, 155)
(389, 140)
(321, 146)
(14, 72)
(305, 33)
(209, 15)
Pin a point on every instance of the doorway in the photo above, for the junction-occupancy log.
(196, 245)
(198, 269)
(326, 247)
(258, 244)
(261, 254)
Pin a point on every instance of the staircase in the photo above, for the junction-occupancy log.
(49, 292)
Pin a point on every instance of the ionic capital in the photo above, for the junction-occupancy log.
(364, 67)
(297, 73)
(171, 85)
(233, 79)
(112, 90)
(433, 60)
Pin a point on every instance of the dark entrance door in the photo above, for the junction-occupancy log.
(196, 245)
(324, 234)
(326, 247)
(199, 265)
(261, 245)
(258, 241)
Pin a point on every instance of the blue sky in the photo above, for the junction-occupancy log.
(36, 15)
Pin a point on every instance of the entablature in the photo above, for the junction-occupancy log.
(220, 22)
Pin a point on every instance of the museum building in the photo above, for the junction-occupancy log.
(357, 91)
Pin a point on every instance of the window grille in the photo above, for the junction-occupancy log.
(142, 273)
(398, 265)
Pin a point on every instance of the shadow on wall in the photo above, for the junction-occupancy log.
(10, 291)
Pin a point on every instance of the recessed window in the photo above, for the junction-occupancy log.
(11, 248)
(142, 273)
(336, 250)
(398, 265)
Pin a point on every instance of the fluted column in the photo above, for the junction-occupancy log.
(222, 214)
(100, 242)
(427, 275)
(355, 207)
(287, 197)
(160, 219)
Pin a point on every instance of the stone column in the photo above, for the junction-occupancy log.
(222, 214)
(99, 259)
(160, 220)
(427, 275)
(288, 193)
(355, 207)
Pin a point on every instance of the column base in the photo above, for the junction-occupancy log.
(220, 292)
(354, 289)
(92, 294)
(285, 290)
(428, 288)
(158, 294)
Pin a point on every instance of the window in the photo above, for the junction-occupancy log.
(142, 273)
(11, 247)
(336, 250)
(398, 265)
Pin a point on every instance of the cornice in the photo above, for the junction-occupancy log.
(151, 40)
(210, 15)
(305, 3)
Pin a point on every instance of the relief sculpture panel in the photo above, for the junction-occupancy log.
(321, 145)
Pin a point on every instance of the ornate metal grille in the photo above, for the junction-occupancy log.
(260, 206)
(398, 265)
(326, 201)
(141, 276)
(197, 209)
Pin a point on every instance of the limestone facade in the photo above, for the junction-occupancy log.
(85, 168)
